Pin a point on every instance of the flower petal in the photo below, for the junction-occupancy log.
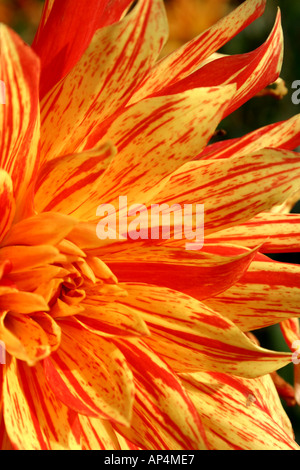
(24, 338)
(112, 319)
(7, 203)
(251, 72)
(97, 434)
(23, 258)
(61, 20)
(19, 120)
(90, 375)
(266, 294)
(240, 414)
(290, 329)
(163, 416)
(190, 337)
(23, 302)
(279, 233)
(154, 138)
(116, 60)
(34, 418)
(5, 443)
(188, 272)
(65, 183)
(47, 228)
(50, 327)
(188, 58)
(234, 190)
(284, 135)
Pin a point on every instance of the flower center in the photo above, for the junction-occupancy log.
(41, 285)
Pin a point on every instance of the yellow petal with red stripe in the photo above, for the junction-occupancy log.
(24, 338)
(240, 414)
(19, 119)
(116, 60)
(233, 190)
(191, 337)
(90, 375)
(154, 138)
(290, 329)
(284, 135)
(266, 294)
(34, 418)
(7, 203)
(71, 38)
(163, 415)
(251, 72)
(5, 443)
(97, 434)
(279, 233)
(112, 319)
(191, 273)
(50, 328)
(189, 57)
(67, 182)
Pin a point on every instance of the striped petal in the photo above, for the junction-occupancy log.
(290, 329)
(97, 434)
(279, 233)
(112, 319)
(191, 273)
(7, 203)
(34, 418)
(5, 443)
(67, 182)
(284, 135)
(154, 138)
(232, 189)
(188, 58)
(240, 414)
(163, 416)
(191, 337)
(71, 38)
(19, 119)
(251, 72)
(50, 328)
(24, 338)
(90, 375)
(265, 295)
(116, 60)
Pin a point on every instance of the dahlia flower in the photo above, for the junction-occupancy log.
(121, 344)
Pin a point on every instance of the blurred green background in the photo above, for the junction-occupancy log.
(23, 16)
